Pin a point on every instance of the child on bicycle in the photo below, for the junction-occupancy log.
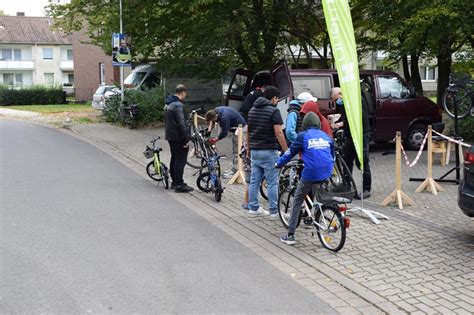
(318, 157)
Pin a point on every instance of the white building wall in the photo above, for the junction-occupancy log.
(48, 66)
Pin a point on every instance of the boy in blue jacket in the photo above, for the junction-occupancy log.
(318, 158)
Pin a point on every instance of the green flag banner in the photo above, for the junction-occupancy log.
(341, 33)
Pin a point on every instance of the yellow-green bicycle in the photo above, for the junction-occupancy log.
(156, 169)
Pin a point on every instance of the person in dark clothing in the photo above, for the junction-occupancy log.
(176, 133)
(349, 153)
(227, 118)
(264, 138)
(249, 100)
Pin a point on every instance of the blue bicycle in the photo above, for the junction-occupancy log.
(209, 179)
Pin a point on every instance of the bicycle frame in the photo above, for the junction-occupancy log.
(319, 205)
(211, 166)
(157, 163)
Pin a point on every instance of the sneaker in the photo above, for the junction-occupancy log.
(288, 239)
(228, 174)
(274, 216)
(365, 195)
(259, 211)
(245, 206)
(183, 189)
(173, 185)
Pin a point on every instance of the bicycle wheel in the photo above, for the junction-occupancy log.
(263, 189)
(459, 96)
(152, 171)
(194, 155)
(166, 176)
(330, 227)
(203, 182)
(336, 178)
(285, 206)
(218, 190)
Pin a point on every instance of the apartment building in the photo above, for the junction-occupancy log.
(32, 53)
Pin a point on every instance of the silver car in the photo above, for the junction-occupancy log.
(102, 93)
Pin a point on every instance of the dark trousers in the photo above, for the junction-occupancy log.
(349, 154)
(179, 156)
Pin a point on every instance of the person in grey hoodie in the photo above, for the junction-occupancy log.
(177, 135)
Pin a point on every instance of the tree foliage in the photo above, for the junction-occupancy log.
(417, 29)
(209, 36)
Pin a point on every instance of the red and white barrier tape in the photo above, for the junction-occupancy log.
(407, 161)
(451, 139)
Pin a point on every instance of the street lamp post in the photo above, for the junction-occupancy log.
(121, 68)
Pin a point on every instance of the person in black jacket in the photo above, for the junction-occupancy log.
(349, 152)
(249, 100)
(176, 133)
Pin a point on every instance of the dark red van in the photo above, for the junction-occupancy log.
(393, 104)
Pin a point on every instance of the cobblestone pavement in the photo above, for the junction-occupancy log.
(418, 261)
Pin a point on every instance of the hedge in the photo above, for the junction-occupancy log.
(35, 95)
(150, 106)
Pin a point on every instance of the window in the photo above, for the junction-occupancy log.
(18, 79)
(17, 54)
(282, 81)
(69, 54)
(151, 81)
(8, 79)
(6, 54)
(238, 85)
(70, 78)
(49, 78)
(392, 87)
(102, 73)
(428, 73)
(47, 53)
(319, 87)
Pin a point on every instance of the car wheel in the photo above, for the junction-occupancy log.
(415, 136)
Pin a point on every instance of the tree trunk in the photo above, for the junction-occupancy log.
(415, 73)
(406, 70)
(444, 70)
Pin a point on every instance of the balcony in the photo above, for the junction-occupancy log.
(67, 65)
(17, 65)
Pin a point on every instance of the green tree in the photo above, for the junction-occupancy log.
(209, 36)
(417, 29)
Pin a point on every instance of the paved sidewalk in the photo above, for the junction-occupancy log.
(421, 260)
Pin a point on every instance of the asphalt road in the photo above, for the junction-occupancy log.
(80, 233)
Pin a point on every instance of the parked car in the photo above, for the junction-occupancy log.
(393, 104)
(102, 93)
(466, 188)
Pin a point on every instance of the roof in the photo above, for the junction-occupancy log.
(29, 30)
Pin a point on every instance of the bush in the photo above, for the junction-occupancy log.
(466, 128)
(35, 95)
(150, 106)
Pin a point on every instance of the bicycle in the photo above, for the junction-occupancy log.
(326, 215)
(209, 179)
(286, 178)
(197, 147)
(459, 93)
(157, 170)
(289, 174)
(129, 113)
